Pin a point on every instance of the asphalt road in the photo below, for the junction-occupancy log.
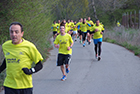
(118, 72)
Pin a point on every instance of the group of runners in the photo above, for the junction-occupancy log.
(66, 32)
(20, 53)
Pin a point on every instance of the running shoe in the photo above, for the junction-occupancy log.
(67, 70)
(88, 43)
(99, 58)
(84, 45)
(63, 78)
(96, 56)
(80, 41)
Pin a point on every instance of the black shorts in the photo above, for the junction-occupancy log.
(91, 32)
(88, 31)
(84, 34)
(54, 32)
(79, 31)
(18, 91)
(63, 59)
(71, 33)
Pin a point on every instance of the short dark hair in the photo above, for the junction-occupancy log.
(17, 23)
(62, 24)
(54, 21)
(97, 19)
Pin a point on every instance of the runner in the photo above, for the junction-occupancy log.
(19, 56)
(84, 26)
(64, 42)
(54, 27)
(75, 31)
(59, 21)
(89, 33)
(58, 27)
(65, 24)
(97, 38)
(71, 23)
(68, 24)
(79, 29)
(118, 24)
(71, 27)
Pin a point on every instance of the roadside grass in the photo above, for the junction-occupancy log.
(126, 37)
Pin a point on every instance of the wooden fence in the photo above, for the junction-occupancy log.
(131, 20)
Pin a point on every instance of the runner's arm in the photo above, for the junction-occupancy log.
(35, 69)
(78, 27)
(88, 24)
(3, 66)
(71, 44)
(56, 45)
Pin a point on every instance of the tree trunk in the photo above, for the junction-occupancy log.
(139, 19)
(94, 9)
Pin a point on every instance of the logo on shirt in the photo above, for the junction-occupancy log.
(7, 53)
(21, 53)
(13, 60)
(63, 42)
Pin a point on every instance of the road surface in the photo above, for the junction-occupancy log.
(118, 72)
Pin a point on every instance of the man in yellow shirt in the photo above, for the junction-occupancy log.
(58, 27)
(65, 24)
(64, 42)
(84, 25)
(75, 31)
(19, 56)
(68, 24)
(79, 29)
(71, 27)
(71, 24)
(89, 33)
(55, 28)
(97, 38)
(118, 24)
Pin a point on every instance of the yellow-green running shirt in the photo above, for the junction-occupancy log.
(64, 42)
(17, 57)
(97, 34)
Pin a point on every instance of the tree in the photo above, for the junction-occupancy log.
(71, 9)
(94, 9)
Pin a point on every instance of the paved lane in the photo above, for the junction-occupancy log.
(118, 72)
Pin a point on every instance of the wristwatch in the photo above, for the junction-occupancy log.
(33, 70)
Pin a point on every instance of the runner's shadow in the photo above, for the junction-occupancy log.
(94, 60)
